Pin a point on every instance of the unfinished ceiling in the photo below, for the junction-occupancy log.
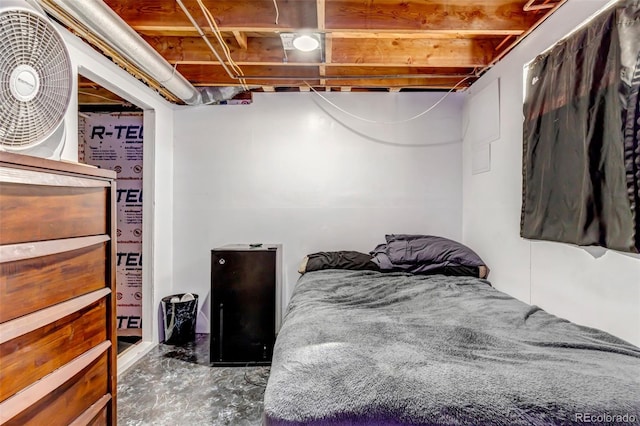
(92, 97)
(365, 45)
(91, 93)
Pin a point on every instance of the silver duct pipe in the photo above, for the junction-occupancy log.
(100, 19)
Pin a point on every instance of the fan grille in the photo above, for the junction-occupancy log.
(28, 41)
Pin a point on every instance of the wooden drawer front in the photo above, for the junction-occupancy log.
(100, 419)
(31, 284)
(30, 357)
(96, 415)
(70, 400)
(37, 213)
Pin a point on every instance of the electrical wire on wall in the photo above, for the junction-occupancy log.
(367, 120)
(380, 141)
(225, 48)
(376, 139)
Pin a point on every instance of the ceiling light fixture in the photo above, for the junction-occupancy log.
(306, 43)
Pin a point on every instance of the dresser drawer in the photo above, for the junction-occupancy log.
(70, 400)
(101, 419)
(57, 293)
(31, 284)
(40, 212)
(29, 357)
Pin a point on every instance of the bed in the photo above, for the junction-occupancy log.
(366, 347)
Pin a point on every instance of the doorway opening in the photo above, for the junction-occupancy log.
(110, 136)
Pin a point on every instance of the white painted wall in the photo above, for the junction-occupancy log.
(565, 280)
(158, 170)
(291, 169)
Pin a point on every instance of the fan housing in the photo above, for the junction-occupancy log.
(35, 81)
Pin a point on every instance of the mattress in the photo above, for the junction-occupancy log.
(364, 347)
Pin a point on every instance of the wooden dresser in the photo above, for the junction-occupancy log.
(58, 348)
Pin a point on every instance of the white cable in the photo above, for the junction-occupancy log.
(225, 49)
(275, 3)
(385, 142)
(173, 74)
(390, 122)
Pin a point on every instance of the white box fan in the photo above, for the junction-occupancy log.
(35, 81)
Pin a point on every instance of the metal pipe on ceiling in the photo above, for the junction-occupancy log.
(100, 19)
(206, 40)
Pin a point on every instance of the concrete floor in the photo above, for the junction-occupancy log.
(175, 385)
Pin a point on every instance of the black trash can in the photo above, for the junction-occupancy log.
(180, 312)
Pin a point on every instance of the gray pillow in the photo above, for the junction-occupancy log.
(412, 249)
(344, 259)
(428, 254)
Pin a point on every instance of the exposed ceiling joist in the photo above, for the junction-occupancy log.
(449, 15)
(417, 52)
(241, 38)
(320, 8)
(368, 44)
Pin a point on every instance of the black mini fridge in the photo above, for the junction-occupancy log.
(245, 291)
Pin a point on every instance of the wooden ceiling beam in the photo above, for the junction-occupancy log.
(328, 49)
(320, 13)
(399, 77)
(500, 17)
(322, 71)
(259, 50)
(331, 72)
(421, 52)
(425, 83)
(328, 43)
(455, 15)
(390, 44)
(346, 52)
(187, 30)
(228, 13)
(190, 31)
(241, 38)
(214, 75)
(423, 34)
(360, 69)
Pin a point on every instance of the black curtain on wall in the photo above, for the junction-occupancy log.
(581, 156)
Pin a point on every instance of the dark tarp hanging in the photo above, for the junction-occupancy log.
(581, 159)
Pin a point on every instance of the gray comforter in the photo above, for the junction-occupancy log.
(389, 349)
